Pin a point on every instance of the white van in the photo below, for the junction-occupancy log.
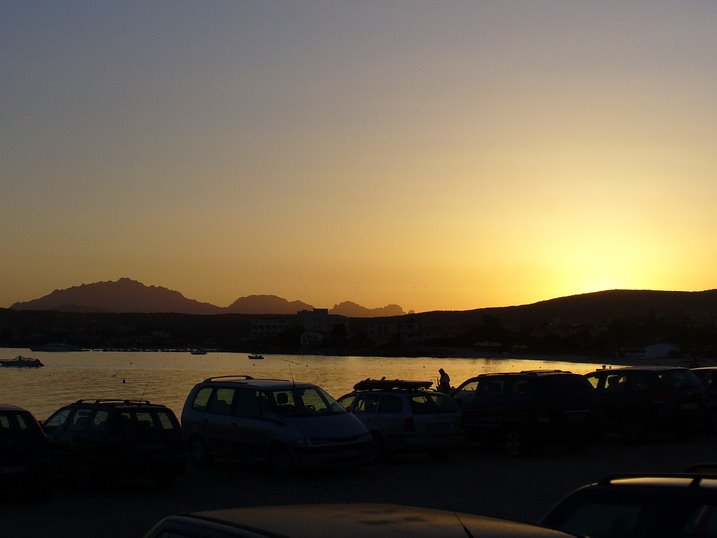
(283, 423)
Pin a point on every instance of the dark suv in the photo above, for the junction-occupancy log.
(519, 410)
(645, 505)
(93, 440)
(638, 401)
(24, 458)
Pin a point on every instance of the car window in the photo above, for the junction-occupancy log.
(13, 421)
(99, 421)
(390, 403)
(616, 383)
(80, 420)
(165, 422)
(491, 387)
(467, 392)
(347, 400)
(422, 404)
(366, 403)
(680, 379)
(57, 420)
(201, 399)
(221, 402)
(248, 404)
(594, 380)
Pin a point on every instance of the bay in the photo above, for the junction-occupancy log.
(167, 377)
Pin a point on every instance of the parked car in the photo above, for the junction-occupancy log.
(96, 440)
(708, 376)
(406, 416)
(284, 423)
(637, 505)
(345, 520)
(639, 401)
(24, 456)
(521, 410)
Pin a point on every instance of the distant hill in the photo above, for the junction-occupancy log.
(600, 306)
(124, 295)
(266, 304)
(129, 296)
(353, 310)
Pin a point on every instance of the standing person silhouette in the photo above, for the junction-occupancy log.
(444, 381)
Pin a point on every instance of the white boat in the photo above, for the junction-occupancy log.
(21, 362)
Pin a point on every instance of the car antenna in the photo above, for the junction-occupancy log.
(143, 391)
(448, 505)
(291, 374)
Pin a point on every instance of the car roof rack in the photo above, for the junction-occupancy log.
(391, 384)
(243, 377)
(695, 478)
(703, 468)
(113, 401)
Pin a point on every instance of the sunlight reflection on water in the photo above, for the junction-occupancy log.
(167, 377)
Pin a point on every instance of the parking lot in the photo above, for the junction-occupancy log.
(474, 480)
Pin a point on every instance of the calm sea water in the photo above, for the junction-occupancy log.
(168, 377)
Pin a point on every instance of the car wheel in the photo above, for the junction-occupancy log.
(281, 461)
(198, 453)
(514, 442)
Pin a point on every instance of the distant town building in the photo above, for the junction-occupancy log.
(269, 326)
(316, 320)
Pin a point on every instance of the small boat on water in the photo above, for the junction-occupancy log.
(256, 357)
(21, 362)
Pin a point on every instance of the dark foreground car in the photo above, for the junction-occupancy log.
(342, 520)
(640, 401)
(24, 457)
(640, 506)
(96, 440)
(520, 410)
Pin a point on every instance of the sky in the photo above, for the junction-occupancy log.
(440, 155)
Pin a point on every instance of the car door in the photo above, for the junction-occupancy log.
(220, 422)
(365, 408)
(250, 429)
(58, 440)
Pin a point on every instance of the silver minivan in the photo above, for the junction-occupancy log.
(284, 423)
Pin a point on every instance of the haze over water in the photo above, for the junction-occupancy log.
(167, 377)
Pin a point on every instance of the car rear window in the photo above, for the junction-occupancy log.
(680, 379)
(18, 423)
(150, 420)
(432, 403)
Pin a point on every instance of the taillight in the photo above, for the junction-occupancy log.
(409, 425)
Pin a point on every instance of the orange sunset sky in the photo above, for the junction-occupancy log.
(438, 155)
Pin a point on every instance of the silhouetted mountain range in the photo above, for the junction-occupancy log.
(127, 295)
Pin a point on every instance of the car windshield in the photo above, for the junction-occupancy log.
(303, 402)
(680, 379)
